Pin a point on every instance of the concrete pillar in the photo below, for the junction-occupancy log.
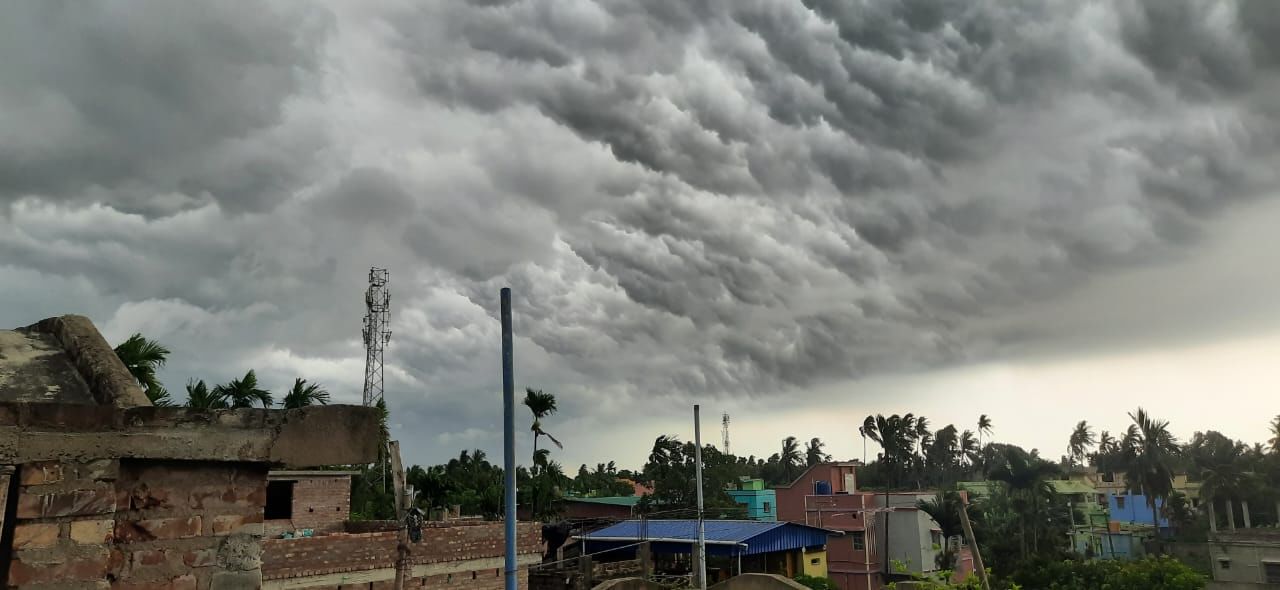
(643, 554)
(1213, 517)
(1231, 515)
(1244, 505)
(584, 572)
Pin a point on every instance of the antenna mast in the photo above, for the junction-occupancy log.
(377, 318)
(724, 431)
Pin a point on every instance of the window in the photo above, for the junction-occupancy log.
(1224, 563)
(1271, 572)
(1120, 502)
(859, 541)
(279, 500)
(767, 507)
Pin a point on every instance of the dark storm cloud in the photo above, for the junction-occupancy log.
(710, 197)
(122, 101)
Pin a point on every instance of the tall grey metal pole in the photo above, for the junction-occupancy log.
(509, 440)
(702, 530)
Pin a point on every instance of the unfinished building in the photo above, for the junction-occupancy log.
(102, 490)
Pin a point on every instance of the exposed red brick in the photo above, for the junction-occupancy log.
(35, 535)
(132, 531)
(99, 500)
(200, 558)
(92, 532)
(183, 582)
(227, 524)
(41, 472)
(82, 568)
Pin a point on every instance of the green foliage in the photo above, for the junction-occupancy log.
(816, 583)
(244, 392)
(142, 357)
(1163, 573)
(304, 394)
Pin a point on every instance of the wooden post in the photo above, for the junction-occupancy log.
(973, 544)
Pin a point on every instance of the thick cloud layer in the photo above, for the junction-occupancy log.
(732, 197)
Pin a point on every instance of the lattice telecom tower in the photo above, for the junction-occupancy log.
(724, 430)
(377, 333)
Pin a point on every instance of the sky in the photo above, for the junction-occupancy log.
(799, 213)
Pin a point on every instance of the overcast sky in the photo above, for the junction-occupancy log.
(796, 212)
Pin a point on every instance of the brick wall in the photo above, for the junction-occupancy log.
(471, 550)
(137, 524)
(320, 503)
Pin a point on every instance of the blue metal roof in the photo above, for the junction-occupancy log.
(724, 537)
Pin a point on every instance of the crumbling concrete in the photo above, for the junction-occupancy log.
(114, 493)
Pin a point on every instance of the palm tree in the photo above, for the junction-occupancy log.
(160, 397)
(1274, 442)
(244, 392)
(541, 404)
(868, 425)
(813, 454)
(305, 394)
(968, 448)
(1027, 478)
(984, 427)
(790, 457)
(1081, 441)
(1150, 452)
(1219, 464)
(142, 357)
(199, 397)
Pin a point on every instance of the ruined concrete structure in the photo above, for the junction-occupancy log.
(102, 490)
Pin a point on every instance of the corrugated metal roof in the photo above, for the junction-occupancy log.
(757, 536)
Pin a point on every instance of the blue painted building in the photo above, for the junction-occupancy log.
(1133, 509)
(761, 504)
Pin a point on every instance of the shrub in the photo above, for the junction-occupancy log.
(816, 583)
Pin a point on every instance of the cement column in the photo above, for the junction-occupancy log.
(1231, 515)
(1244, 505)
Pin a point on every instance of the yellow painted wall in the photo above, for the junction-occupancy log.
(818, 569)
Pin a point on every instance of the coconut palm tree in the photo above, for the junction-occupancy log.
(1220, 465)
(790, 457)
(201, 398)
(142, 357)
(968, 448)
(984, 427)
(541, 404)
(813, 453)
(1081, 441)
(244, 392)
(1150, 451)
(1274, 442)
(868, 425)
(304, 394)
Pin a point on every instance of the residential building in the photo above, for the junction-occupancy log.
(1132, 509)
(761, 503)
(1245, 559)
(733, 546)
(826, 496)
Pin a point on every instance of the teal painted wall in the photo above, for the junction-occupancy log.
(761, 504)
